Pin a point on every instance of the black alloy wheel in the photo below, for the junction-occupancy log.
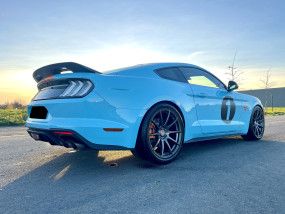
(256, 125)
(162, 134)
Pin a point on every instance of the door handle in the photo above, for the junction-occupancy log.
(202, 95)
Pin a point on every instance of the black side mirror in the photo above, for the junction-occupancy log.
(232, 86)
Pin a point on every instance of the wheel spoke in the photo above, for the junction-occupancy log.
(168, 146)
(156, 143)
(257, 130)
(174, 132)
(254, 129)
(259, 115)
(173, 123)
(162, 148)
(153, 134)
(165, 123)
(155, 124)
(254, 115)
(173, 140)
(161, 118)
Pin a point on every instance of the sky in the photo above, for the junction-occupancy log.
(110, 34)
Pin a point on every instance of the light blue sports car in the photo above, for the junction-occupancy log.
(150, 109)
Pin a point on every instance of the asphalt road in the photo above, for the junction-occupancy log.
(219, 176)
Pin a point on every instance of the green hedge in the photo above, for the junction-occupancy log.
(13, 117)
(276, 111)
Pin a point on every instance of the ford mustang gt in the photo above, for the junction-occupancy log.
(150, 109)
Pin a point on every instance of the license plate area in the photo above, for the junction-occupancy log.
(38, 112)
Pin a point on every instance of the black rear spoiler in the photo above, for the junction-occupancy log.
(57, 68)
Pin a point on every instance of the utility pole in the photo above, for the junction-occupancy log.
(272, 101)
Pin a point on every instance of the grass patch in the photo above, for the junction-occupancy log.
(13, 117)
(276, 111)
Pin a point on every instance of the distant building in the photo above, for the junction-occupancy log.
(277, 95)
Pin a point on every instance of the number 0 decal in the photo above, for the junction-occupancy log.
(228, 109)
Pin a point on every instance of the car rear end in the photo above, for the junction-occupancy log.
(68, 111)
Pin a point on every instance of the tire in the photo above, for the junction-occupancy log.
(256, 125)
(161, 136)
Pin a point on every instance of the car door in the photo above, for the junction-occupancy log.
(218, 110)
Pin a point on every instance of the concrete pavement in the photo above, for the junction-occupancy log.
(218, 176)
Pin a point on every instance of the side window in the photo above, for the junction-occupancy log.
(199, 77)
(171, 74)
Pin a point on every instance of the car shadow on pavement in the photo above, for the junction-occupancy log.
(75, 179)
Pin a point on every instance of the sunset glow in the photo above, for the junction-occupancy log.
(109, 35)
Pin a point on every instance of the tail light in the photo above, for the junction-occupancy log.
(67, 88)
(77, 88)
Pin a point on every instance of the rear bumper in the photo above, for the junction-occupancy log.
(88, 119)
(68, 139)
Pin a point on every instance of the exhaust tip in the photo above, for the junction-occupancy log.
(79, 146)
(71, 144)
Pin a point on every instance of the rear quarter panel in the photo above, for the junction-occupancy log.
(128, 92)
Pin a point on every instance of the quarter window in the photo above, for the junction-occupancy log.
(171, 74)
(199, 77)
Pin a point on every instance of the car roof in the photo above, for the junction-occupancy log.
(145, 70)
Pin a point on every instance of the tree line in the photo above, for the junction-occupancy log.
(16, 104)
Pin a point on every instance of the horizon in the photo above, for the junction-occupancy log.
(110, 35)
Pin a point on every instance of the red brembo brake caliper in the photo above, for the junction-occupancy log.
(151, 131)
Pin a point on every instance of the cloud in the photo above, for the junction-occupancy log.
(192, 55)
(122, 56)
